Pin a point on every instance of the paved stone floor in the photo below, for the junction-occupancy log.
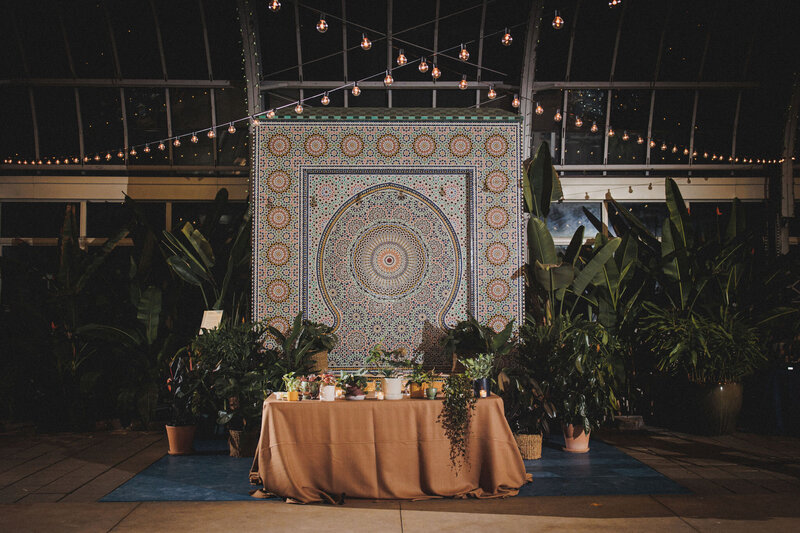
(741, 482)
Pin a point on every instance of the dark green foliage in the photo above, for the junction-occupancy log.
(457, 408)
(301, 342)
(470, 337)
(527, 404)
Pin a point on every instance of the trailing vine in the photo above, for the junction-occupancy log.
(457, 408)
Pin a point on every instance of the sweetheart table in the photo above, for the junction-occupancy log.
(314, 451)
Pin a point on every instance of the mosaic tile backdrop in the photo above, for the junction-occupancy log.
(391, 227)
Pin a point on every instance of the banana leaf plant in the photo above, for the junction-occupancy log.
(298, 346)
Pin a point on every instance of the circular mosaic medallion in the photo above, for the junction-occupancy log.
(496, 145)
(279, 323)
(497, 290)
(388, 145)
(316, 145)
(497, 323)
(325, 191)
(279, 145)
(278, 290)
(389, 260)
(497, 181)
(460, 145)
(424, 145)
(352, 145)
(497, 253)
(279, 181)
(497, 217)
(278, 254)
(278, 217)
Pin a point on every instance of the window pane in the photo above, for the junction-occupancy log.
(42, 40)
(89, 44)
(33, 219)
(638, 44)
(594, 41)
(58, 121)
(191, 111)
(102, 120)
(318, 45)
(184, 47)
(232, 148)
(21, 279)
(761, 122)
(104, 219)
(630, 112)
(147, 121)
(710, 218)
(16, 137)
(714, 124)
(651, 214)
(566, 217)
(583, 147)
(730, 40)
(225, 40)
(135, 36)
(672, 122)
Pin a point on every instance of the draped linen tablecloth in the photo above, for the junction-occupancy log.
(312, 451)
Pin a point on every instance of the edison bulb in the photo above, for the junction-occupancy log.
(436, 73)
(366, 44)
(492, 94)
(463, 54)
(120, 154)
(388, 80)
(325, 99)
(322, 25)
(685, 151)
(463, 83)
(423, 65)
(298, 108)
(108, 157)
(625, 136)
(274, 5)
(578, 122)
(506, 39)
(193, 138)
(515, 101)
(639, 140)
(176, 143)
(211, 134)
(674, 149)
(558, 22)
(231, 128)
(594, 128)
(356, 89)
(558, 116)
(271, 113)
(162, 146)
(401, 58)
(652, 144)
(611, 132)
(663, 147)
(146, 149)
(539, 108)
(133, 151)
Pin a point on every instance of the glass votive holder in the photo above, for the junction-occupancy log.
(483, 393)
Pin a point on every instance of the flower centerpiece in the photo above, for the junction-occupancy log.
(354, 385)
(327, 387)
(309, 386)
(390, 364)
(292, 384)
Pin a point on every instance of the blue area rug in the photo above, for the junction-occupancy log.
(213, 476)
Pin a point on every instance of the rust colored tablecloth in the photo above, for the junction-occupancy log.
(313, 451)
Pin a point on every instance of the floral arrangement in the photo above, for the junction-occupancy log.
(310, 385)
(389, 361)
(326, 380)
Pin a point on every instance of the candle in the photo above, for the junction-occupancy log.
(379, 395)
(339, 393)
(483, 393)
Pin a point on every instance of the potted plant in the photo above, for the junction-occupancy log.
(327, 391)
(354, 385)
(309, 386)
(181, 386)
(417, 379)
(292, 385)
(479, 369)
(469, 338)
(527, 409)
(389, 364)
(457, 408)
(298, 347)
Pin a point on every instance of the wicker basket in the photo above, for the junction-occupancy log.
(530, 446)
(242, 443)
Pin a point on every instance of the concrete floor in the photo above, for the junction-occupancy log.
(741, 482)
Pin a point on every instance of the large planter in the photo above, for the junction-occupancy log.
(242, 443)
(392, 388)
(530, 446)
(180, 439)
(717, 408)
(575, 439)
(320, 361)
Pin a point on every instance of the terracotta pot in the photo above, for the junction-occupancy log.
(575, 440)
(418, 389)
(292, 395)
(180, 439)
(717, 408)
(242, 443)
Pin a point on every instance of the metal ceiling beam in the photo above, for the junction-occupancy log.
(344, 51)
(299, 47)
(111, 82)
(378, 84)
(480, 52)
(661, 85)
(252, 65)
(527, 83)
(435, 46)
(389, 50)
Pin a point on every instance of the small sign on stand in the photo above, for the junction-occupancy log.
(211, 320)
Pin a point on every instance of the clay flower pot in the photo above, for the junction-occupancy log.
(180, 439)
(575, 440)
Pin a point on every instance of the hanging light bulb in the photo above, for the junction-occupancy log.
(231, 128)
(325, 99)
(639, 140)
(594, 127)
(492, 94)
(388, 79)
(714, 157)
(176, 143)
(133, 151)
(652, 144)
(515, 101)
(705, 155)
(401, 58)
(674, 149)
(298, 108)
(274, 6)
(97, 157)
(694, 154)
(211, 134)
(121, 154)
(146, 149)
(322, 24)
(271, 113)
(506, 39)
(366, 44)
(685, 151)
(625, 135)
(558, 22)
(423, 65)
(663, 147)
(539, 109)
(108, 157)
(463, 83)
(611, 132)
(75, 159)
(614, 3)
(193, 138)
(463, 54)
(558, 116)
(435, 72)
(356, 90)
(162, 146)
(578, 122)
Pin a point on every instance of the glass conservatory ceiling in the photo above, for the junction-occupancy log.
(93, 78)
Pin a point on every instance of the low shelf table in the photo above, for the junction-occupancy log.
(312, 451)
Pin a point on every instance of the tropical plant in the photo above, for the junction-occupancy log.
(291, 382)
(354, 383)
(527, 405)
(388, 362)
(297, 347)
(182, 384)
(457, 408)
(479, 367)
(419, 375)
(470, 337)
